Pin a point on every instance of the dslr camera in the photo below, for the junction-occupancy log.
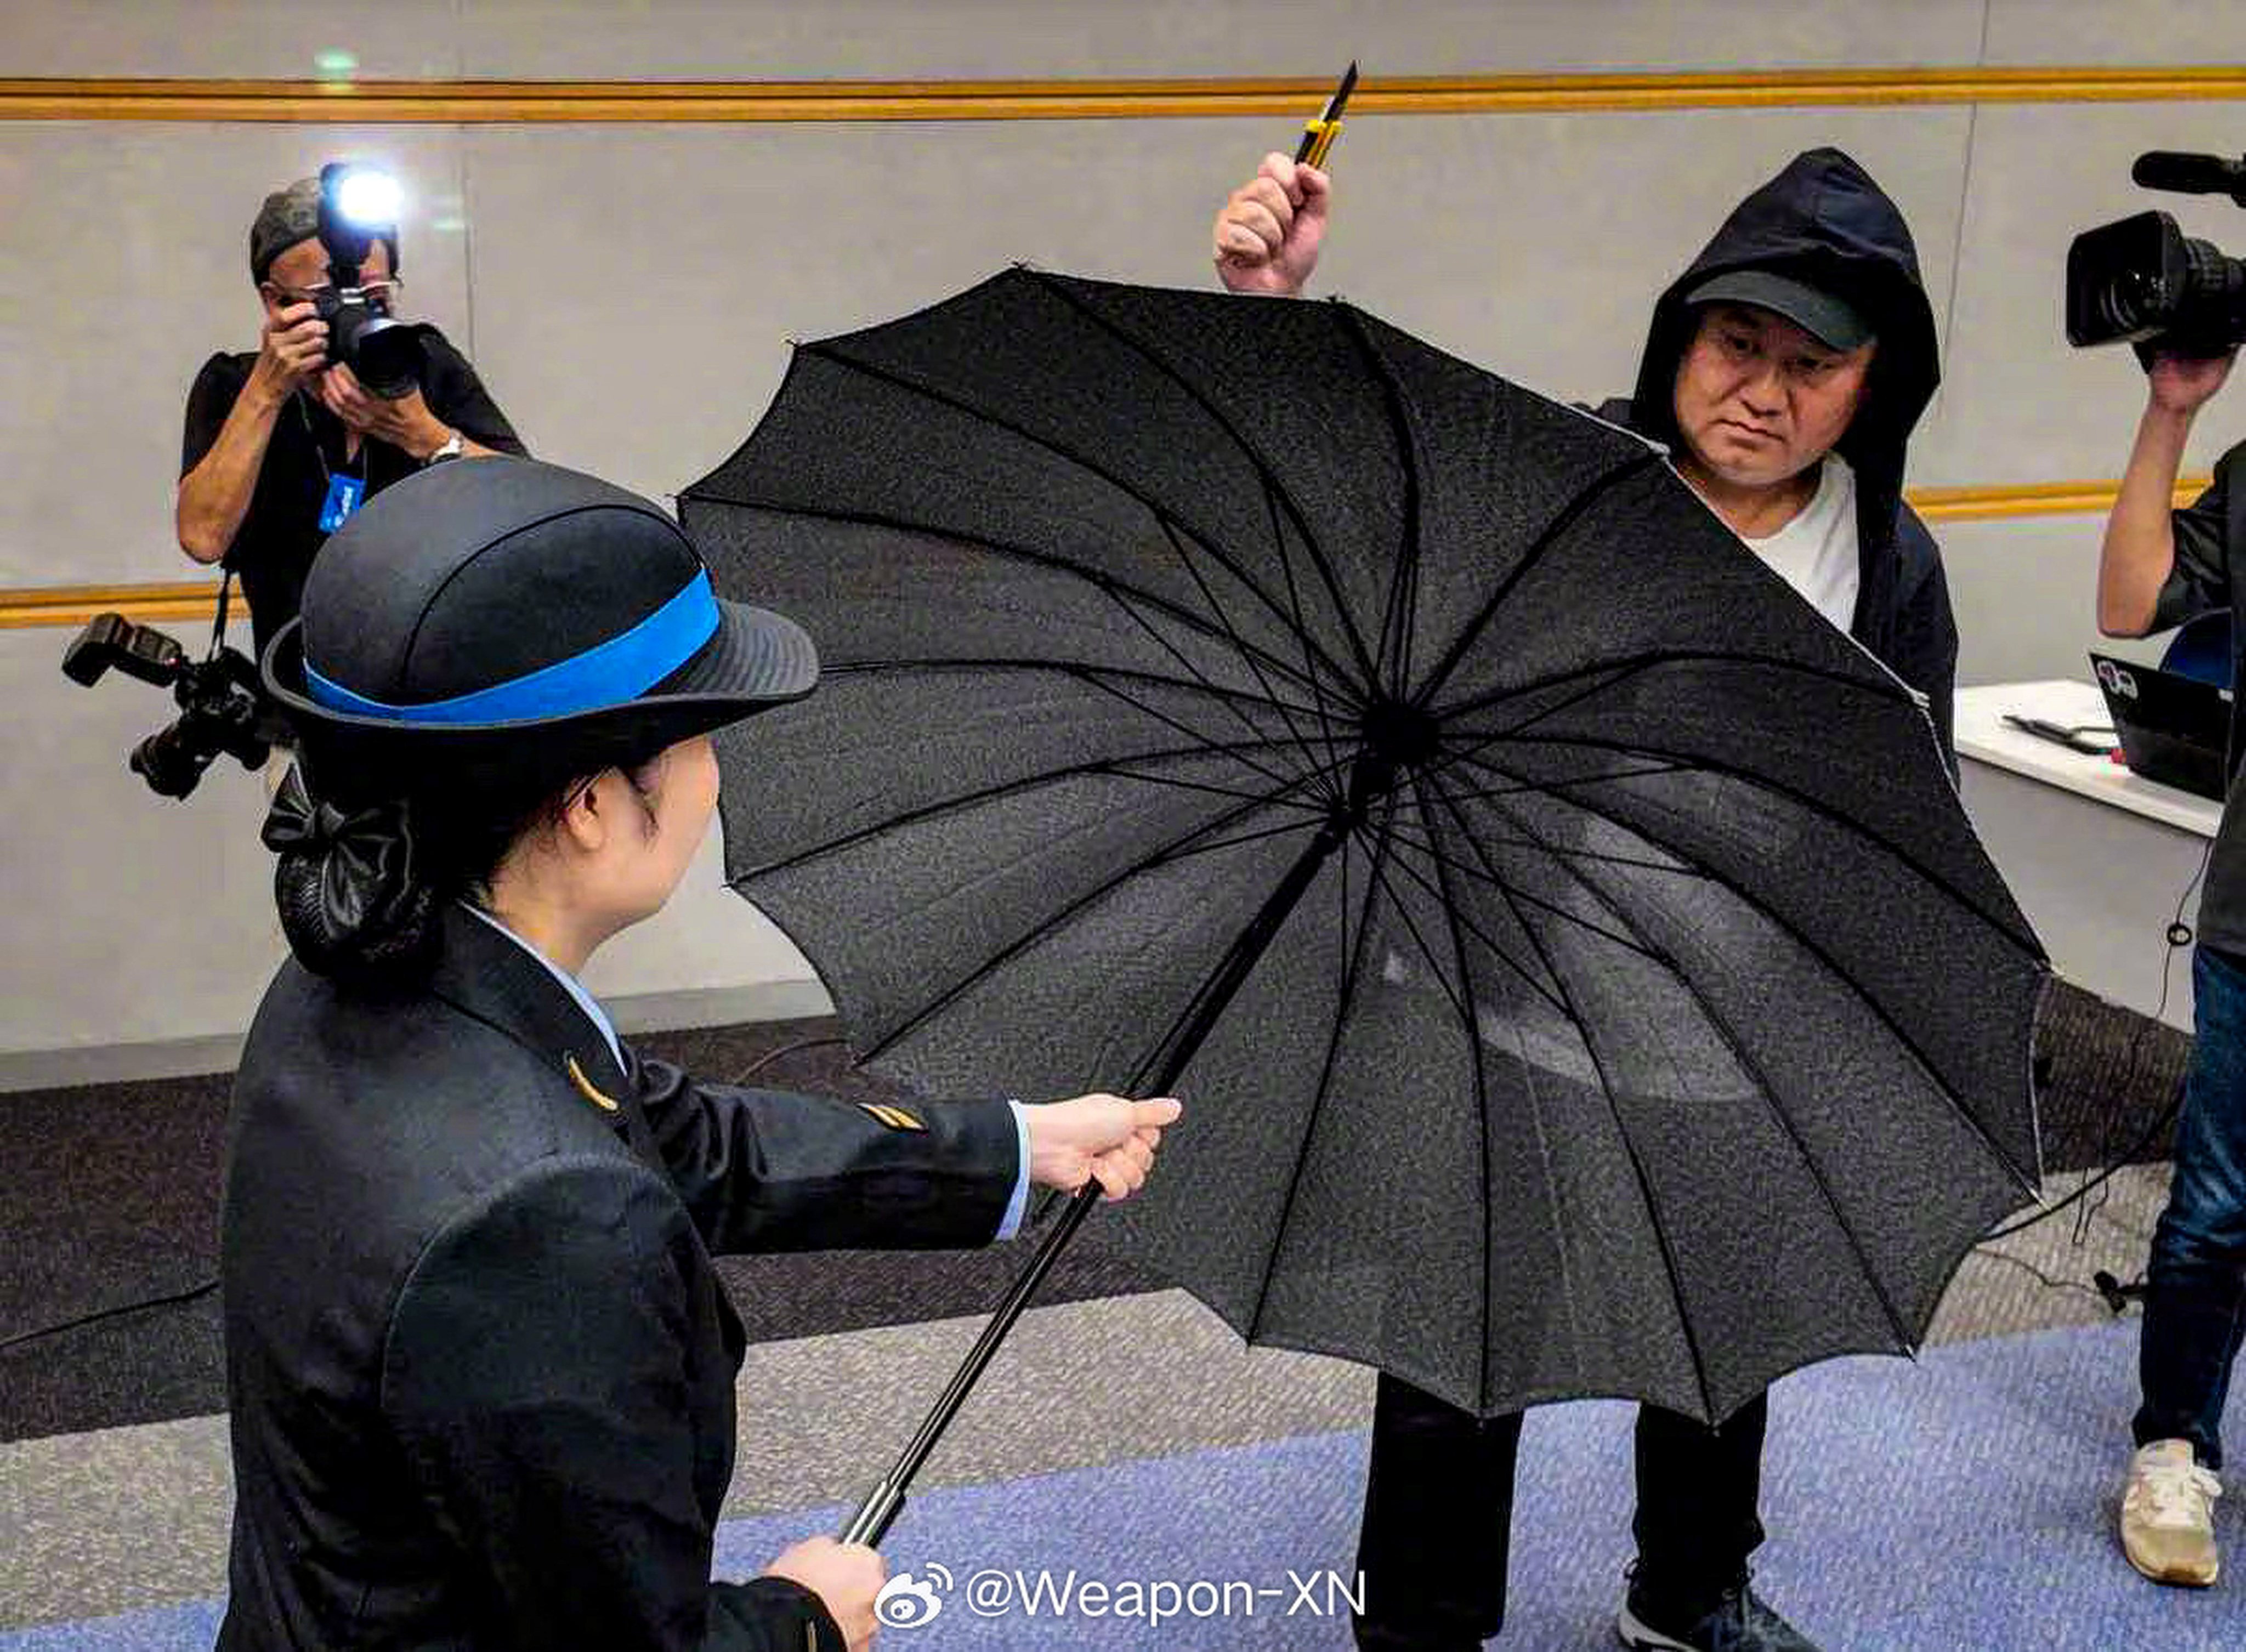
(356, 205)
(2143, 281)
(221, 709)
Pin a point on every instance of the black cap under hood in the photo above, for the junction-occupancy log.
(1824, 221)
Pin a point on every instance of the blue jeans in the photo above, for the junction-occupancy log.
(2195, 1308)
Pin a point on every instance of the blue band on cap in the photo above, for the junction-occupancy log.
(609, 673)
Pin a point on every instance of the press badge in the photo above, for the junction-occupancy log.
(343, 495)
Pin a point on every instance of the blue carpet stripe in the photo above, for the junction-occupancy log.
(1964, 1505)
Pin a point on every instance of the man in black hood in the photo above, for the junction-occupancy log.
(1784, 371)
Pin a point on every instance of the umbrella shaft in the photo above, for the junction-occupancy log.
(886, 1501)
(1167, 1064)
(883, 1504)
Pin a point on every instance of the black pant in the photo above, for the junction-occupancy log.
(1439, 1516)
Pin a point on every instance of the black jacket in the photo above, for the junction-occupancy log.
(2210, 572)
(280, 532)
(2207, 575)
(480, 1366)
(1823, 217)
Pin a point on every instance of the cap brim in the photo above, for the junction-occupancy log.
(1831, 320)
(755, 660)
(755, 655)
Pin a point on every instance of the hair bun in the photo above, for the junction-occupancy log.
(351, 904)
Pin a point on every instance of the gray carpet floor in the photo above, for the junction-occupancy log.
(113, 1486)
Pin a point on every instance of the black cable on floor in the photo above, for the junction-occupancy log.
(2046, 1280)
(2177, 937)
(770, 1056)
(204, 1290)
(99, 1315)
(2104, 1176)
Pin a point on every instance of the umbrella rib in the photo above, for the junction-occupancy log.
(1171, 533)
(1270, 698)
(1074, 669)
(825, 352)
(1300, 626)
(1264, 468)
(1009, 788)
(1794, 794)
(1886, 685)
(1497, 951)
(1244, 949)
(1094, 577)
(1352, 968)
(1094, 678)
(1517, 893)
(1761, 1075)
(1174, 849)
(1448, 905)
(1622, 1129)
(1341, 984)
(1603, 679)
(1651, 772)
(1458, 1004)
(1879, 1010)
(1564, 519)
(1404, 585)
(1319, 810)
(1594, 856)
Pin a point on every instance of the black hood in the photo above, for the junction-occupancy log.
(1823, 220)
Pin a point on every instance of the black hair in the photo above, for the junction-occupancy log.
(361, 886)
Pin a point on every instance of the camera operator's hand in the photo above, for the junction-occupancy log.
(2185, 384)
(1267, 232)
(403, 421)
(291, 351)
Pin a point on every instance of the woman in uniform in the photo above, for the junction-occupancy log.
(481, 1369)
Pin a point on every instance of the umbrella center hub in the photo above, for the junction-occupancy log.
(1398, 736)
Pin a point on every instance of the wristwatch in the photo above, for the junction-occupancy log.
(450, 450)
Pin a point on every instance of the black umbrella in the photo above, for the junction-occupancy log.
(1580, 972)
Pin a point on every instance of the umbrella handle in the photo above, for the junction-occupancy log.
(875, 1515)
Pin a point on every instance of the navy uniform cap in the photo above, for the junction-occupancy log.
(503, 609)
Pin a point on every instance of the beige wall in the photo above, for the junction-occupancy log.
(629, 292)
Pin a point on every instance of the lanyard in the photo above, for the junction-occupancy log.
(345, 491)
(320, 452)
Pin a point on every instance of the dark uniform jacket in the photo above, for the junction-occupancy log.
(480, 1365)
(2208, 574)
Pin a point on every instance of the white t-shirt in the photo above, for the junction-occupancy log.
(1816, 552)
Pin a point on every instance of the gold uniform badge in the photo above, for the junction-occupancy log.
(894, 1117)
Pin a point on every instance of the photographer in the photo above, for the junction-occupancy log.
(2158, 567)
(282, 442)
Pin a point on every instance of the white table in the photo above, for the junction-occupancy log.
(2097, 858)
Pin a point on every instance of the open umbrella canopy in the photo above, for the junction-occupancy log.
(1582, 975)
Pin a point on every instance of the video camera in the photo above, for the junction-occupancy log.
(2143, 281)
(357, 205)
(220, 710)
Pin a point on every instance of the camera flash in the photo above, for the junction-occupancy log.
(368, 198)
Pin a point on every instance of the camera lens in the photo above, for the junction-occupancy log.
(386, 355)
(2125, 302)
(170, 762)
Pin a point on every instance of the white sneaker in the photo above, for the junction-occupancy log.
(2167, 1515)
